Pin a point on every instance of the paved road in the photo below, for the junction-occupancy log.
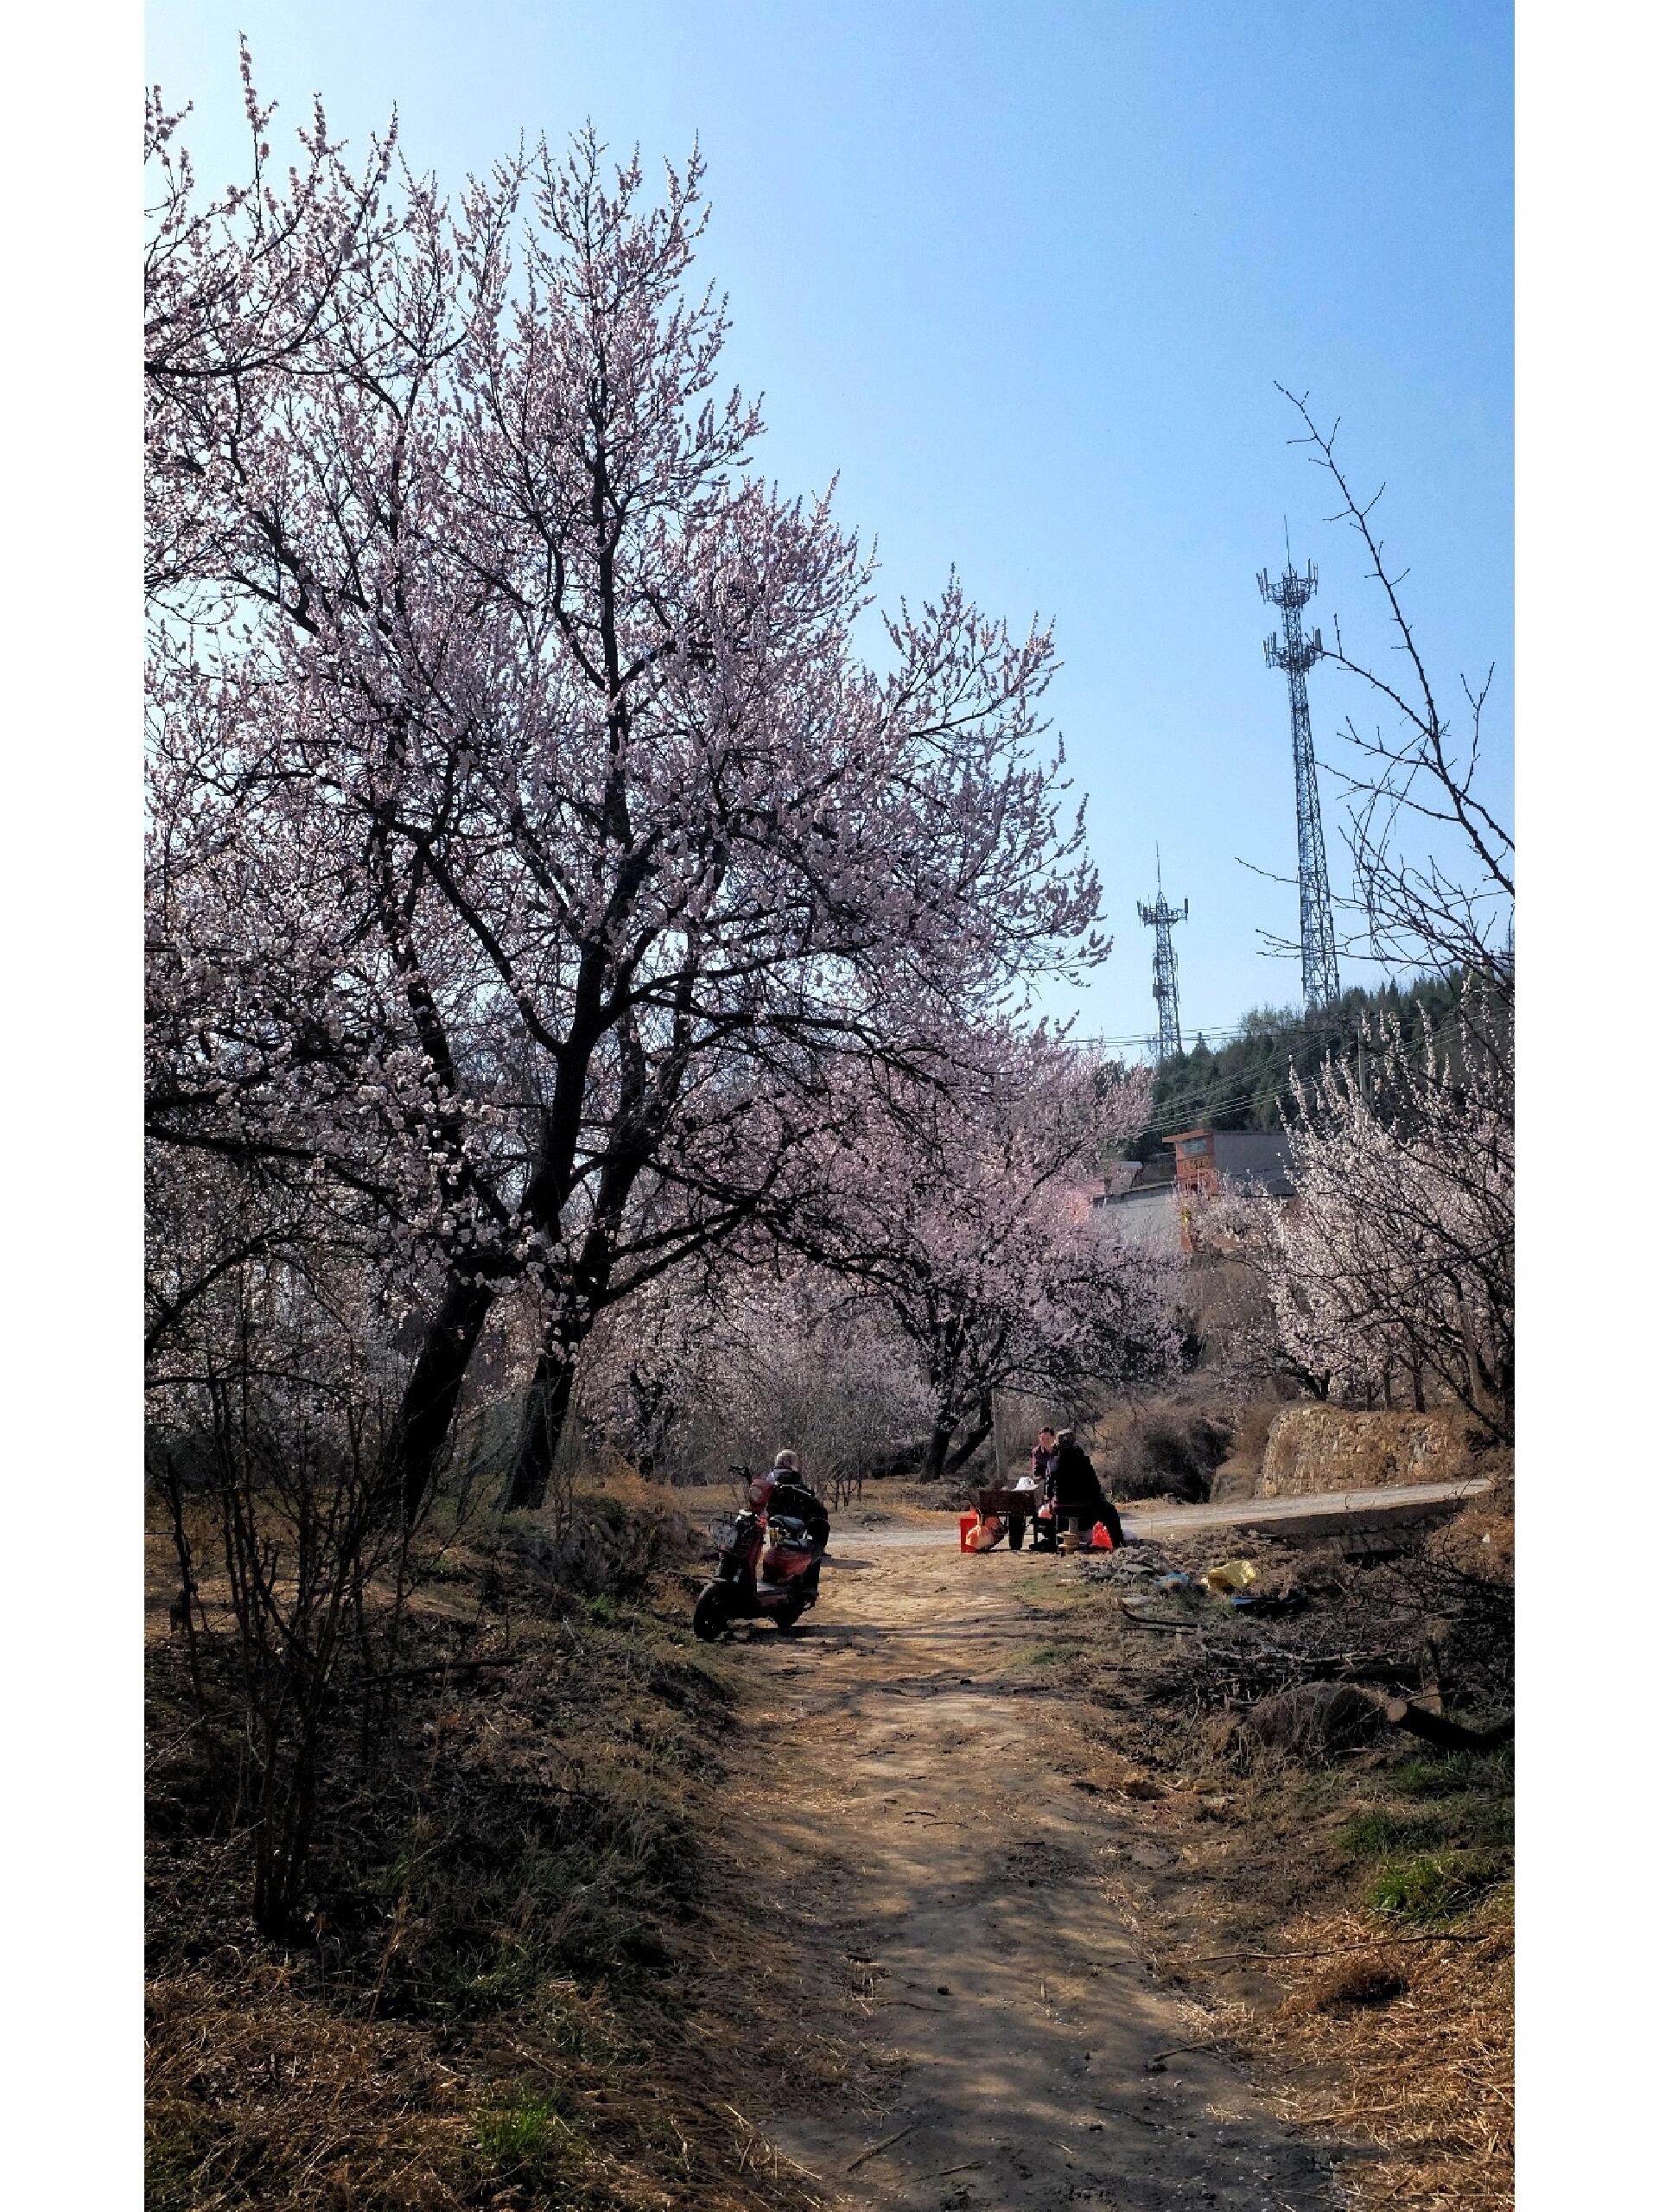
(1262, 1512)
(1163, 1520)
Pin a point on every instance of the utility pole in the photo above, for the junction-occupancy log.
(1320, 983)
(1161, 917)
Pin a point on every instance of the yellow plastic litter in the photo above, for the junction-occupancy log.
(1232, 1575)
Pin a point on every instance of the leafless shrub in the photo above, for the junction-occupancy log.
(1172, 1454)
(292, 1571)
(1314, 1722)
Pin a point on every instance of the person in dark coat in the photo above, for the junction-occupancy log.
(1079, 1501)
(785, 1489)
(1042, 1451)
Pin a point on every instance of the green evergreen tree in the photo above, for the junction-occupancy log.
(1245, 1082)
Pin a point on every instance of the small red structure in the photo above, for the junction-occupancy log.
(1197, 1177)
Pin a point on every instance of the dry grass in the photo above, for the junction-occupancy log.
(1239, 1472)
(524, 1962)
(256, 2094)
(1409, 2046)
(1344, 1921)
(260, 2095)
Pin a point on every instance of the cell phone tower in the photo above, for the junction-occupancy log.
(1320, 984)
(1162, 918)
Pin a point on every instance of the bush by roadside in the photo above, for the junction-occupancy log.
(1169, 1454)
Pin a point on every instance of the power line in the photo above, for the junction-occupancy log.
(1171, 1119)
(1231, 1034)
(1342, 1027)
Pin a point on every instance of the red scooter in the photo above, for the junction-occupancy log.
(768, 1566)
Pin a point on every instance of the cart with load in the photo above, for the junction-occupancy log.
(1011, 1510)
(1008, 1509)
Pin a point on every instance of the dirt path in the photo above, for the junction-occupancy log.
(915, 1810)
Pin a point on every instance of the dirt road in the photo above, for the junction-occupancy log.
(924, 1822)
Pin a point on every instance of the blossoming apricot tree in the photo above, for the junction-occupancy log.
(532, 841)
(962, 1206)
(1396, 1258)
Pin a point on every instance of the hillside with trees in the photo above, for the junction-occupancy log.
(1245, 1082)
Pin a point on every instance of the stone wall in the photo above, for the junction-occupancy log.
(1314, 1448)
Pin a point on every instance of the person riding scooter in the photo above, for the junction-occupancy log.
(768, 1557)
(783, 1488)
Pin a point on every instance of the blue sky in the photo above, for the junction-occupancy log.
(1023, 277)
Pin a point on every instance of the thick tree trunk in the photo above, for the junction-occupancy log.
(977, 1432)
(939, 1443)
(547, 1408)
(427, 1415)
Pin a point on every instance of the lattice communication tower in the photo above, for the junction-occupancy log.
(1320, 984)
(1162, 918)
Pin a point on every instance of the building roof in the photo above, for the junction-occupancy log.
(1258, 1158)
(1251, 1159)
(1154, 1174)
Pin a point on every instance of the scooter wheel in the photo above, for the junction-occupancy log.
(789, 1620)
(714, 1609)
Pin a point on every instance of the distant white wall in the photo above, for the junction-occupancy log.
(1148, 1219)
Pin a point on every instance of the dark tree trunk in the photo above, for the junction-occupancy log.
(1445, 1735)
(939, 1443)
(547, 1408)
(427, 1414)
(977, 1432)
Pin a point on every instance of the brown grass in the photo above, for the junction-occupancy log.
(260, 2095)
(1240, 1471)
(1399, 2037)
(544, 1828)
(1408, 2046)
